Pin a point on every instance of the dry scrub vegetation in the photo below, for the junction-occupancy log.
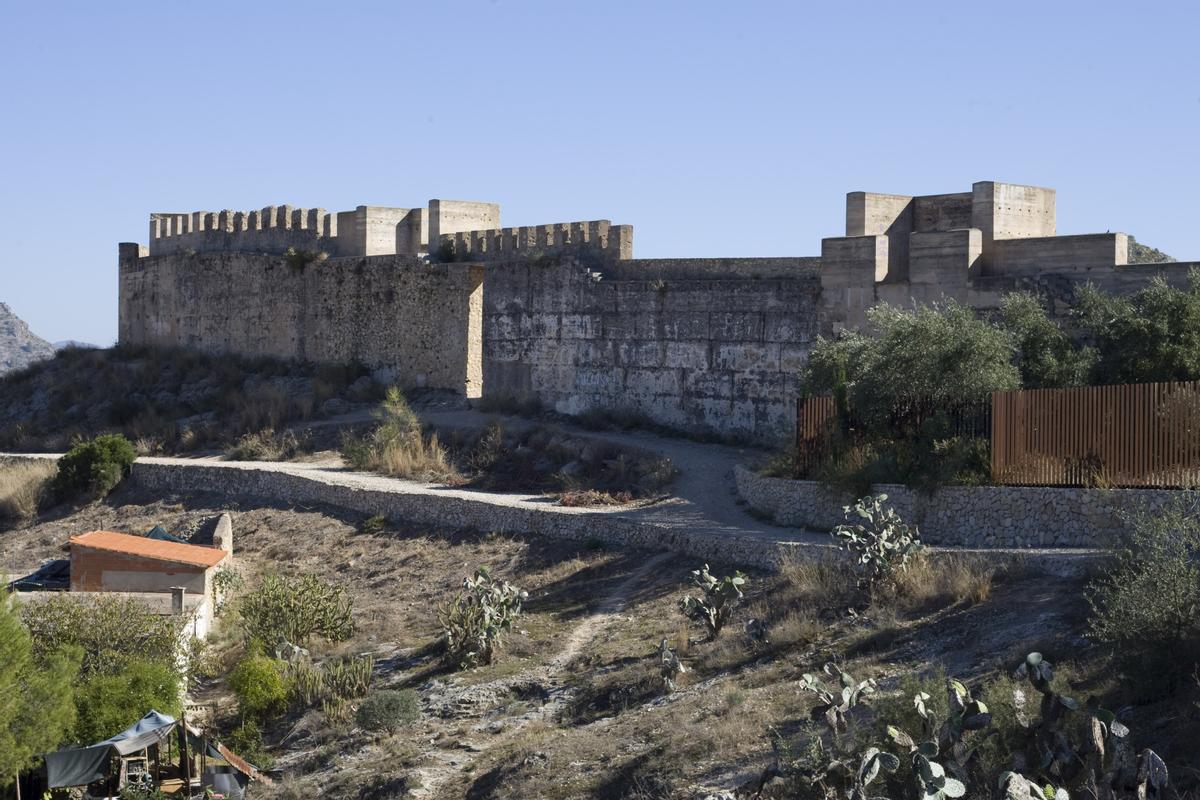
(575, 705)
(22, 487)
(168, 400)
(582, 472)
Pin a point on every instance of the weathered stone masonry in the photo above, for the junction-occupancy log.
(564, 315)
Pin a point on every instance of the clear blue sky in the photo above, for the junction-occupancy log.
(716, 129)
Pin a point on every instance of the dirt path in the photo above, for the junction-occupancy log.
(453, 754)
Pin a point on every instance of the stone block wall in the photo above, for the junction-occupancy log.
(597, 240)
(967, 516)
(418, 322)
(721, 354)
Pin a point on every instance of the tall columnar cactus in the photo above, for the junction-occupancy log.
(474, 622)
(720, 596)
(879, 540)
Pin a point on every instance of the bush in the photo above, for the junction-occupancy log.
(106, 629)
(388, 710)
(22, 486)
(474, 622)
(246, 740)
(260, 685)
(1144, 607)
(295, 609)
(108, 703)
(92, 469)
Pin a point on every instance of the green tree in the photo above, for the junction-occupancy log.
(37, 706)
(107, 629)
(928, 357)
(108, 703)
(1046, 356)
(1151, 335)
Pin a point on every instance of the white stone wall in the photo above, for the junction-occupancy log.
(967, 516)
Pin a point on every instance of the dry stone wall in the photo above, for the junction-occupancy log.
(416, 322)
(967, 516)
(721, 354)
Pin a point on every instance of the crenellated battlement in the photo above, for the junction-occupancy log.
(595, 237)
(272, 229)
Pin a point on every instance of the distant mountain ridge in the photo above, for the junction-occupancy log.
(19, 346)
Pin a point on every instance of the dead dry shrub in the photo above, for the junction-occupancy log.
(934, 582)
(266, 445)
(22, 486)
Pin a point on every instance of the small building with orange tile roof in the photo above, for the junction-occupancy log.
(105, 561)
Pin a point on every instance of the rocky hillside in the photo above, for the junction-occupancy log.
(19, 346)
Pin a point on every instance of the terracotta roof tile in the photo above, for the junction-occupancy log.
(158, 550)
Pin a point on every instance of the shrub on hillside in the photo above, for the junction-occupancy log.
(388, 710)
(110, 702)
(294, 609)
(92, 469)
(260, 686)
(1145, 606)
(246, 740)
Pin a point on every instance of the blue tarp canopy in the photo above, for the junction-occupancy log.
(160, 533)
(84, 765)
(54, 574)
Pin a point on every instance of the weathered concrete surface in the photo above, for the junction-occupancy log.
(716, 355)
(397, 314)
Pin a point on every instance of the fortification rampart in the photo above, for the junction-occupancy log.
(414, 322)
(597, 239)
(564, 315)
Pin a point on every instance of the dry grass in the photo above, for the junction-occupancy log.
(938, 581)
(417, 458)
(266, 445)
(22, 484)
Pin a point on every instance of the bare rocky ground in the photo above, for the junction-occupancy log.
(574, 708)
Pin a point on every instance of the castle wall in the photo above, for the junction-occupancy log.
(718, 354)
(596, 240)
(392, 313)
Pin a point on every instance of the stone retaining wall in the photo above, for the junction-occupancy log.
(421, 507)
(966, 516)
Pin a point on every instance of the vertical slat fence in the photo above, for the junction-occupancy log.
(1130, 435)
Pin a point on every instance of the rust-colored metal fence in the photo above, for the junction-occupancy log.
(814, 428)
(1130, 435)
(1145, 434)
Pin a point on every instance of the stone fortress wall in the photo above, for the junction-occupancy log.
(564, 315)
